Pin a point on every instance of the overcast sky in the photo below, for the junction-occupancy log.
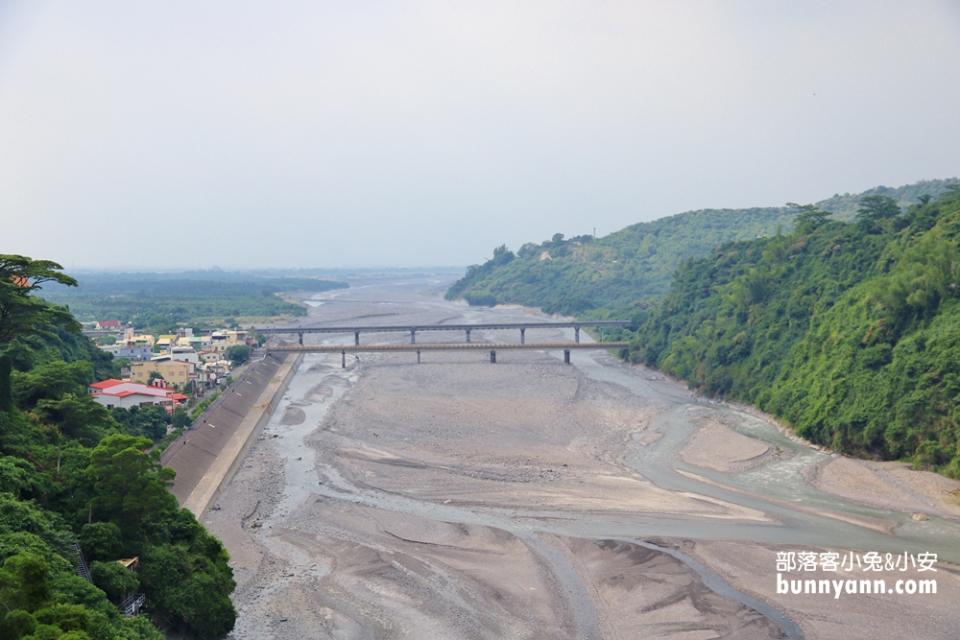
(283, 133)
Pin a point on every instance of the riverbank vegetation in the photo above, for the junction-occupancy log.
(848, 330)
(632, 268)
(73, 473)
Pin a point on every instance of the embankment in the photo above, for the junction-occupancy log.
(206, 455)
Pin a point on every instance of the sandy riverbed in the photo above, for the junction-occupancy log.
(459, 499)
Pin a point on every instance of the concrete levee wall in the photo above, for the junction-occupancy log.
(207, 454)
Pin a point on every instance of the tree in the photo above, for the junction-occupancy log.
(17, 624)
(78, 417)
(193, 599)
(180, 418)
(130, 484)
(808, 217)
(114, 579)
(101, 540)
(878, 207)
(875, 211)
(238, 354)
(25, 582)
(21, 313)
(6, 385)
(148, 420)
(75, 619)
(502, 255)
(51, 380)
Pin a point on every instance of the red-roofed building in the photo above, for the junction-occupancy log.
(109, 324)
(104, 384)
(125, 394)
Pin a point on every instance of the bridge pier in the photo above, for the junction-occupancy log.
(300, 337)
(413, 336)
(576, 334)
(523, 336)
(493, 357)
(356, 338)
(468, 331)
(566, 356)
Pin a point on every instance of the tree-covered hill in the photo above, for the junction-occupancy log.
(849, 331)
(631, 268)
(73, 472)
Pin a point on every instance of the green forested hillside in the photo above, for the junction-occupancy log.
(631, 268)
(850, 331)
(70, 472)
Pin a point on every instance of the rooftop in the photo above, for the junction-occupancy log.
(122, 389)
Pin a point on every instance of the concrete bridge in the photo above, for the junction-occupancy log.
(493, 347)
(413, 329)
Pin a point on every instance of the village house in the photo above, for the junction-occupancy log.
(175, 372)
(165, 341)
(223, 340)
(184, 354)
(129, 350)
(125, 394)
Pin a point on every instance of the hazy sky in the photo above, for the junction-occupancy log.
(282, 133)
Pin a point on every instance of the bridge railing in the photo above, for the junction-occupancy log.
(413, 329)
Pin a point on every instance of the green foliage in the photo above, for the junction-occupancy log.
(180, 419)
(198, 600)
(69, 466)
(51, 380)
(238, 354)
(149, 421)
(17, 623)
(851, 332)
(201, 406)
(6, 384)
(130, 484)
(21, 313)
(114, 579)
(17, 476)
(78, 417)
(25, 582)
(22, 517)
(101, 540)
(808, 217)
(629, 270)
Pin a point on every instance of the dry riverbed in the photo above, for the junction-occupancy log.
(459, 499)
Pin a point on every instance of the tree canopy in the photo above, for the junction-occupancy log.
(849, 332)
(840, 317)
(73, 471)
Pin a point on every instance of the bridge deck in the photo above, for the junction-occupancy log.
(447, 327)
(444, 346)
